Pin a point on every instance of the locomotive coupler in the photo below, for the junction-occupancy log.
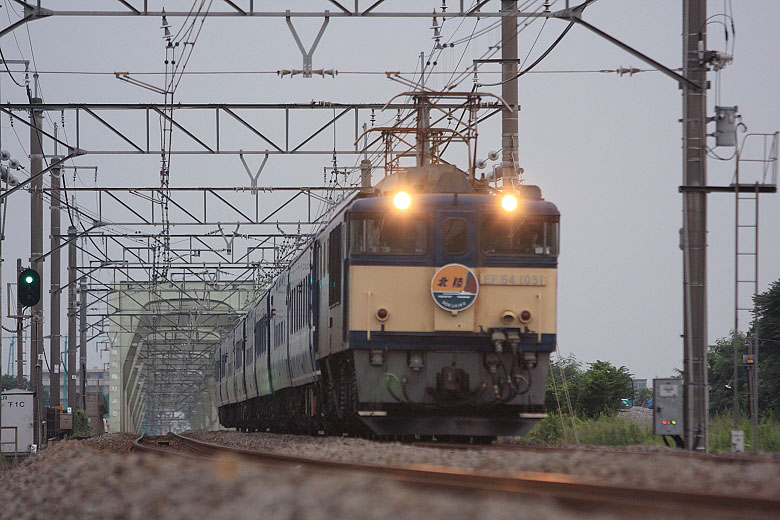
(452, 384)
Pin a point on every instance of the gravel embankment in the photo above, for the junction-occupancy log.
(121, 442)
(739, 475)
(638, 415)
(75, 480)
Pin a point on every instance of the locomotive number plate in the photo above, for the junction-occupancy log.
(513, 279)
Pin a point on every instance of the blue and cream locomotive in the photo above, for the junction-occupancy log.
(425, 307)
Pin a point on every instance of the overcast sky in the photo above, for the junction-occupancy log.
(604, 148)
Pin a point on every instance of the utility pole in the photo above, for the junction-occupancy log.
(72, 397)
(1, 312)
(19, 335)
(36, 251)
(509, 126)
(423, 144)
(83, 342)
(694, 235)
(54, 344)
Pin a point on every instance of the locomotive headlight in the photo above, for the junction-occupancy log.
(402, 200)
(509, 202)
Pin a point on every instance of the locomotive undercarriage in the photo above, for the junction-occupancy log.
(444, 402)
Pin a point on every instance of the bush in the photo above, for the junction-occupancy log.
(602, 431)
(547, 431)
(593, 392)
(81, 426)
(614, 431)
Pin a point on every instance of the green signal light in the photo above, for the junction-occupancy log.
(29, 279)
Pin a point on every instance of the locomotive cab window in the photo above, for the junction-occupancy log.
(455, 236)
(384, 235)
(519, 236)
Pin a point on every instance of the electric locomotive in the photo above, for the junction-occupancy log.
(426, 306)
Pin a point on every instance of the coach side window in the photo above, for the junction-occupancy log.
(334, 266)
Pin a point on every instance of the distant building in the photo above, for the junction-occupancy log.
(639, 384)
(97, 381)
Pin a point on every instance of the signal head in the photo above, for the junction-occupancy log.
(29, 287)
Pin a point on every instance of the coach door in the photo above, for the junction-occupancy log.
(335, 273)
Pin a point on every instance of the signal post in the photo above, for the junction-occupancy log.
(36, 251)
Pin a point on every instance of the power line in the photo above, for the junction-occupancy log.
(364, 72)
(535, 63)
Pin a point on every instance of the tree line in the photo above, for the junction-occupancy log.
(593, 391)
(597, 389)
(766, 326)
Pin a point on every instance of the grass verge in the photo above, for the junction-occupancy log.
(616, 431)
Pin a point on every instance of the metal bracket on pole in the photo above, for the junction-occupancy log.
(574, 14)
(27, 181)
(31, 12)
(307, 55)
(252, 178)
(229, 242)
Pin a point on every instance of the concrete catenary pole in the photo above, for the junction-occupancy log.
(1, 313)
(36, 251)
(54, 319)
(72, 342)
(509, 128)
(83, 340)
(694, 237)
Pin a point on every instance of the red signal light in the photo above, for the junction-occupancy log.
(525, 316)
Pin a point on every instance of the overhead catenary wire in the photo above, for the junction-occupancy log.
(536, 62)
(492, 50)
(9, 70)
(359, 73)
(463, 74)
(27, 89)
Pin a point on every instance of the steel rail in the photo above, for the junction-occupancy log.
(570, 489)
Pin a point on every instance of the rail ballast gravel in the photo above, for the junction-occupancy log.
(576, 492)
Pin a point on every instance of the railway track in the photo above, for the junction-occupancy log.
(718, 458)
(572, 491)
